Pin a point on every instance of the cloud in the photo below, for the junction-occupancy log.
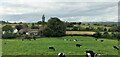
(31, 11)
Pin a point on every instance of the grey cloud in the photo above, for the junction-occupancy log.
(63, 10)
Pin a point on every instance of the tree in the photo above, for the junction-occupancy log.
(75, 28)
(114, 28)
(47, 32)
(39, 22)
(57, 26)
(68, 24)
(19, 27)
(106, 34)
(9, 35)
(20, 22)
(79, 23)
(34, 27)
(89, 28)
(105, 29)
(118, 35)
(118, 28)
(97, 34)
(25, 26)
(7, 28)
(100, 28)
(113, 35)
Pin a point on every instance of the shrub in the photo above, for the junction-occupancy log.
(9, 36)
(97, 35)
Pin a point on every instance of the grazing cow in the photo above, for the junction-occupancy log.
(65, 39)
(5, 43)
(75, 40)
(90, 53)
(78, 45)
(115, 47)
(70, 40)
(96, 39)
(101, 40)
(52, 48)
(61, 55)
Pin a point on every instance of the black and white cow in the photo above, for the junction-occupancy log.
(75, 40)
(115, 47)
(78, 45)
(90, 53)
(61, 55)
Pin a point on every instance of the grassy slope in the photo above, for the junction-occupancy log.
(40, 46)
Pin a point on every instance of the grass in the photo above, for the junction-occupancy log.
(40, 46)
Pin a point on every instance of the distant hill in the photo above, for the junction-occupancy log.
(101, 23)
(4, 22)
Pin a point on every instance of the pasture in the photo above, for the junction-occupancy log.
(61, 44)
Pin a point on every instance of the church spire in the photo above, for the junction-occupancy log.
(43, 18)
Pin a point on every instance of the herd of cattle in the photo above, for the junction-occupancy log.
(89, 53)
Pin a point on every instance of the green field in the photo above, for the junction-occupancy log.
(40, 46)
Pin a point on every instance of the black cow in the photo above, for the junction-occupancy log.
(71, 40)
(52, 48)
(115, 47)
(90, 53)
(101, 40)
(61, 55)
(96, 39)
(5, 43)
(78, 45)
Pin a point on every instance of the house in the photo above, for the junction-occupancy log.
(15, 31)
(29, 31)
(33, 31)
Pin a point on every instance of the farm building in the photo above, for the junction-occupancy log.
(34, 32)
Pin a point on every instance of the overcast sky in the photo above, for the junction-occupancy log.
(72, 10)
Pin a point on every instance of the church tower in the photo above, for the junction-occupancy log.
(43, 18)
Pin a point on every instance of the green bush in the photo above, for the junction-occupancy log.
(106, 35)
(7, 28)
(55, 28)
(9, 36)
(97, 35)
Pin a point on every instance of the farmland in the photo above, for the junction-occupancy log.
(40, 46)
(80, 32)
(12, 43)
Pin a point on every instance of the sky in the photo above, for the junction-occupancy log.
(66, 10)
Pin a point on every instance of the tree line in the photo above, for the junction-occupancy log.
(57, 28)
